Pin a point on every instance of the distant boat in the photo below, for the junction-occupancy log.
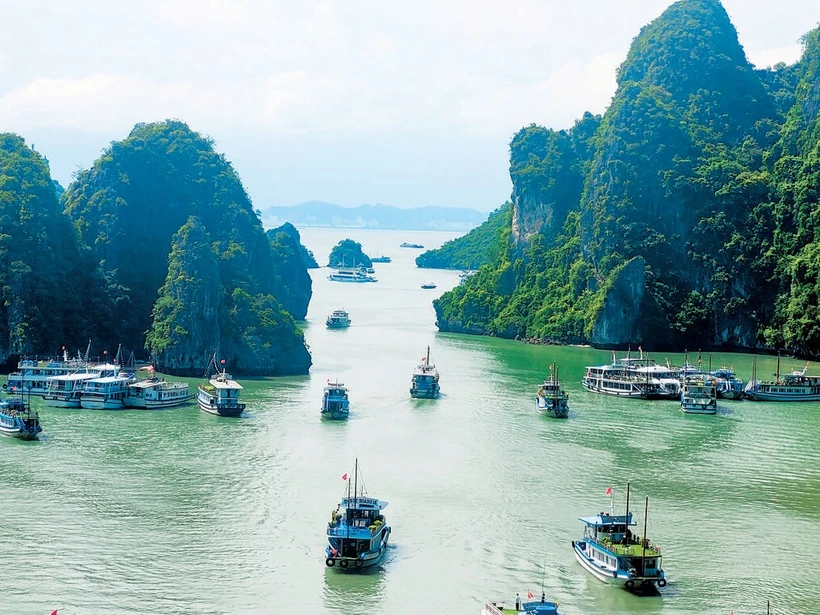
(220, 395)
(425, 379)
(18, 420)
(350, 275)
(612, 553)
(381, 259)
(551, 398)
(428, 285)
(530, 607)
(33, 376)
(788, 387)
(357, 533)
(156, 393)
(338, 319)
(335, 403)
(639, 378)
(698, 397)
(410, 245)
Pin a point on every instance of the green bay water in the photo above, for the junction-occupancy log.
(178, 511)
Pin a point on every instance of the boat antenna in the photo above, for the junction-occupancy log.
(348, 513)
(87, 351)
(643, 541)
(710, 361)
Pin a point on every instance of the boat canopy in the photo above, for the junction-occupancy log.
(603, 520)
(73, 377)
(222, 383)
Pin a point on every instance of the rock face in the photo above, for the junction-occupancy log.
(618, 322)
(293, 285)
(191, 321)
(130, 206)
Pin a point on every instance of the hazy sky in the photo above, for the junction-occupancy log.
(349, 101)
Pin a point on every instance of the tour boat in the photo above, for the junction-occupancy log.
(411, 245)
(551, 398)
(632, 377)
(338, 319)
(335, 404)
(698, 397)
(157, 393)
(530, 607)
(381, 259)
(788, 387)
(32, 377)
(107, 392)
(65, 391)
(727, 384)
(220, 395)
(357, 532)
(351, 275)
(425, 379)
(428, 285)
(18, 420)
(612, 554)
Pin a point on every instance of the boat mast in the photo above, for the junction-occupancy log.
(626, 533)
(643, 541)
(777, 375)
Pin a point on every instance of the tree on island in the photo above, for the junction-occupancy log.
(348, 253)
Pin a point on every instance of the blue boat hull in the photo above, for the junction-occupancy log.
(614, 577)
(367, 560)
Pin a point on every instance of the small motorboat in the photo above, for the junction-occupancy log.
(551, 398)
(428, 285)
(18, 420)
(530, 607)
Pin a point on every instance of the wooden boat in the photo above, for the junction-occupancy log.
(551, 398)
(220, 394)
(18, 420)
(424, 383)
(357, 532)
(611, 553)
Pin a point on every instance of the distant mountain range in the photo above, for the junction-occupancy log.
(319, 213)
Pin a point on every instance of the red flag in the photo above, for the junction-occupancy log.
(222, 361)
(53, 612)
(344, 476)
(609, 490)
(529, 595)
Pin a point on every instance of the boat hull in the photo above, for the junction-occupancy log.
(613, 577)
(336, 415)
(546, 408)
(597, 387)
(17, 432)
(424, 393)
(698, 408)
(233, 411)
(61, 401)
(138, 403)
(363, 562)
(94, 403)
(764, 396)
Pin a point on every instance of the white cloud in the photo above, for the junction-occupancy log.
(191, 13)
(769, 57)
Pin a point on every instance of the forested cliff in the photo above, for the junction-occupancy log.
(681, 217)
(157, 247)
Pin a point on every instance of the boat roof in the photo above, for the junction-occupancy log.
(222, 383)
(146, 384)
(363, 503)
(109, 379)
(72, 377)
(603, 519)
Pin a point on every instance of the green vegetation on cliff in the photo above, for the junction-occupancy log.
(130, 205)
(307, 255)
(348, 253)
(53, 294)
(683, 216)
(472, 250)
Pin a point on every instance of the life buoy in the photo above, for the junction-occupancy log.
(661, 582)
(343, 563)
(629, 584)
(358, 563)
(330, 562)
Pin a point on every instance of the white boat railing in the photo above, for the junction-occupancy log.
(491, 609)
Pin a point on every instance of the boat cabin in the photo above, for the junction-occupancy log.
(612, 544)
(356, 525)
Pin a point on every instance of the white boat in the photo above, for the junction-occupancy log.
(157, 393)
(796, 386)
(698, 397)
(633, 377)
(338, 319)
(220, 395)
(108, 392)
(32, 377)
(65, 391)
(351, 275)
(551, 398)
